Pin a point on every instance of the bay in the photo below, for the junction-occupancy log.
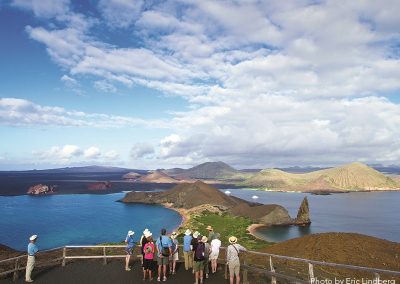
(370, 213)
(78, 219)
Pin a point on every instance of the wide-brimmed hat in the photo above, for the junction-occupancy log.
(196, 234)
(233, 240)
(33, 237)
(146, 231)
(188, 232)
(174, 235)
(148, 234)
(204, 239)
(131, 233)
(209, 228)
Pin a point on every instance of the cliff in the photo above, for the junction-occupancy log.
(199, 194)
(303, 215)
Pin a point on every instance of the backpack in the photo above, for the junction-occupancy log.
(164, 250)
(199, 253)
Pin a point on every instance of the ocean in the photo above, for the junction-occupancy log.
(370, 213)
(78, 219)
(83, 219)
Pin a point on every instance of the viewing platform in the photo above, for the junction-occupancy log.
(105, 264)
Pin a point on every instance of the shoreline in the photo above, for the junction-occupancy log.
(253, 228)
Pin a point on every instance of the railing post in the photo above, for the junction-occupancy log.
(105, 257)
(16, 268)
(311, 272)
(273, 278)
(377, 278)
(64, 255)
(245, 280)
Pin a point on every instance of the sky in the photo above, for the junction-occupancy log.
(159, 84)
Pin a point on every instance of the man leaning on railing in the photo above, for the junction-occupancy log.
(232, 259)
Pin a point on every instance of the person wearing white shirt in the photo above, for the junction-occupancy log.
(215, 245)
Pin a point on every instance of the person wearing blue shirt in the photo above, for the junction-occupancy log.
(187, 252)
(130, 244)
(164, 244)
(30, 264)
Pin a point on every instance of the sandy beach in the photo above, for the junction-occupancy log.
(252, 229)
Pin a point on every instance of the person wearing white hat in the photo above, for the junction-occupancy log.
(130, 244)
(32, 250)
(232, 258)
(187, 251)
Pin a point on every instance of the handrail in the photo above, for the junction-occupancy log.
(271, 273)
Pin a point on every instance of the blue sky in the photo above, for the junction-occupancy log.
(152, 84)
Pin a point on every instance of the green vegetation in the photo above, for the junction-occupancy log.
(227, 225)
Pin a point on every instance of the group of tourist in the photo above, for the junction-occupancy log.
(199, 251)
(200, 254)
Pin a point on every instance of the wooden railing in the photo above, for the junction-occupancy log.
(246, 267)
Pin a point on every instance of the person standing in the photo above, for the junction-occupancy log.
(187, 252)
(232, 257)
(207, 249)
(130, 244)
(215, 246)
(30, 264)
(211, 233)
(174, 257)
(148, 256)
(164, 245)
(199, 252)
(143, 241)
(194, 243)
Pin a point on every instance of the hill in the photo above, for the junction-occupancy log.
(354, 176)
(157, 177)
(199, 195)
(209, 170)
(348, 248)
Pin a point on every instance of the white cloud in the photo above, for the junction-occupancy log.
(64, 153)
(105, 87)
(120, 13)
(141, 150)
(92, 153)
(20, 112)
(43, 8)
(69, 81)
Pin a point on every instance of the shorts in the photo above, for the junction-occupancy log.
(174, 256)
(129, 250)
(198, 265)
(162, 260)
(147, 264)
(214, 255)
(234, 267)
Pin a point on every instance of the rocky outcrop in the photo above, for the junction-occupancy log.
(41, 189)
(103, 185)
(157, 177)
(191, 195)
(303, 215)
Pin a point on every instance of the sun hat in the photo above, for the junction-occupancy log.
(131, 233)
(33, 237)
(174, 235)
(188, 232)
(209, 228)
(146, 231)
(196, 234)
(147, 234)
(204, 239)
(233, 240)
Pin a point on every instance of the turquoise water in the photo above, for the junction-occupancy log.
(77, 219)
(370, 213)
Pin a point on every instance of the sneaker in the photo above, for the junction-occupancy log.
(165, 278)
(29, 281)
(207, 275)
(158, 279)
(127, 269)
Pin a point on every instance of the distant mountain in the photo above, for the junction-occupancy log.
(354, 176)
(84, 169)
(209, 170)
(157, 177)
